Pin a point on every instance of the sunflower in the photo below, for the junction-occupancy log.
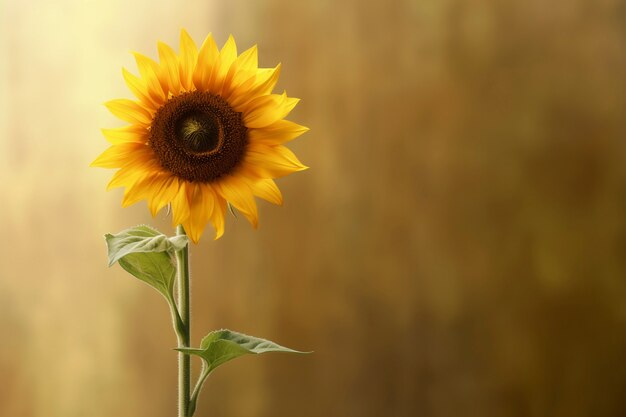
(205, 131)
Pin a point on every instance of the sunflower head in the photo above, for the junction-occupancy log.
(205, 130)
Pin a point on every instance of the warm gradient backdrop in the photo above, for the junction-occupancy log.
(458, 247)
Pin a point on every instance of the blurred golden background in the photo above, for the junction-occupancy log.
(458, 247)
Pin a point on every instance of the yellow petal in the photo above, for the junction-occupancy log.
(117, 155)
(267, 190)
(277, 133)
(149, 71)
(138, 88)
(266, 79)
(188, 59)
(265, 110)
(131, 197)
(163, 193)
(154, 184)
(133, 133)
(169, 67)
(129, 174)
(180, 205)
(261, 84)
(271, 161)
(217, 219)
(206, 61)
(228, 54)
(142, 186)
(243, 67)
(129, 111)
(137, 191)
(237, 94)
(239, 194)
(201, 201)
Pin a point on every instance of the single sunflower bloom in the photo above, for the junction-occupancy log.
(205, 131)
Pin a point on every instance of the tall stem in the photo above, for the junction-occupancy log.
(184, 362)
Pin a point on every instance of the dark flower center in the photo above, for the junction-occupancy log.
(198, 136)
(199, 132)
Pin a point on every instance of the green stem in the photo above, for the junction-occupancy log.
(184, 361)
(196, 391)
(177, 322)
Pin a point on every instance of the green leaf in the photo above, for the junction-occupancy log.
(148, 255)
(142, 239)
(221, 346)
